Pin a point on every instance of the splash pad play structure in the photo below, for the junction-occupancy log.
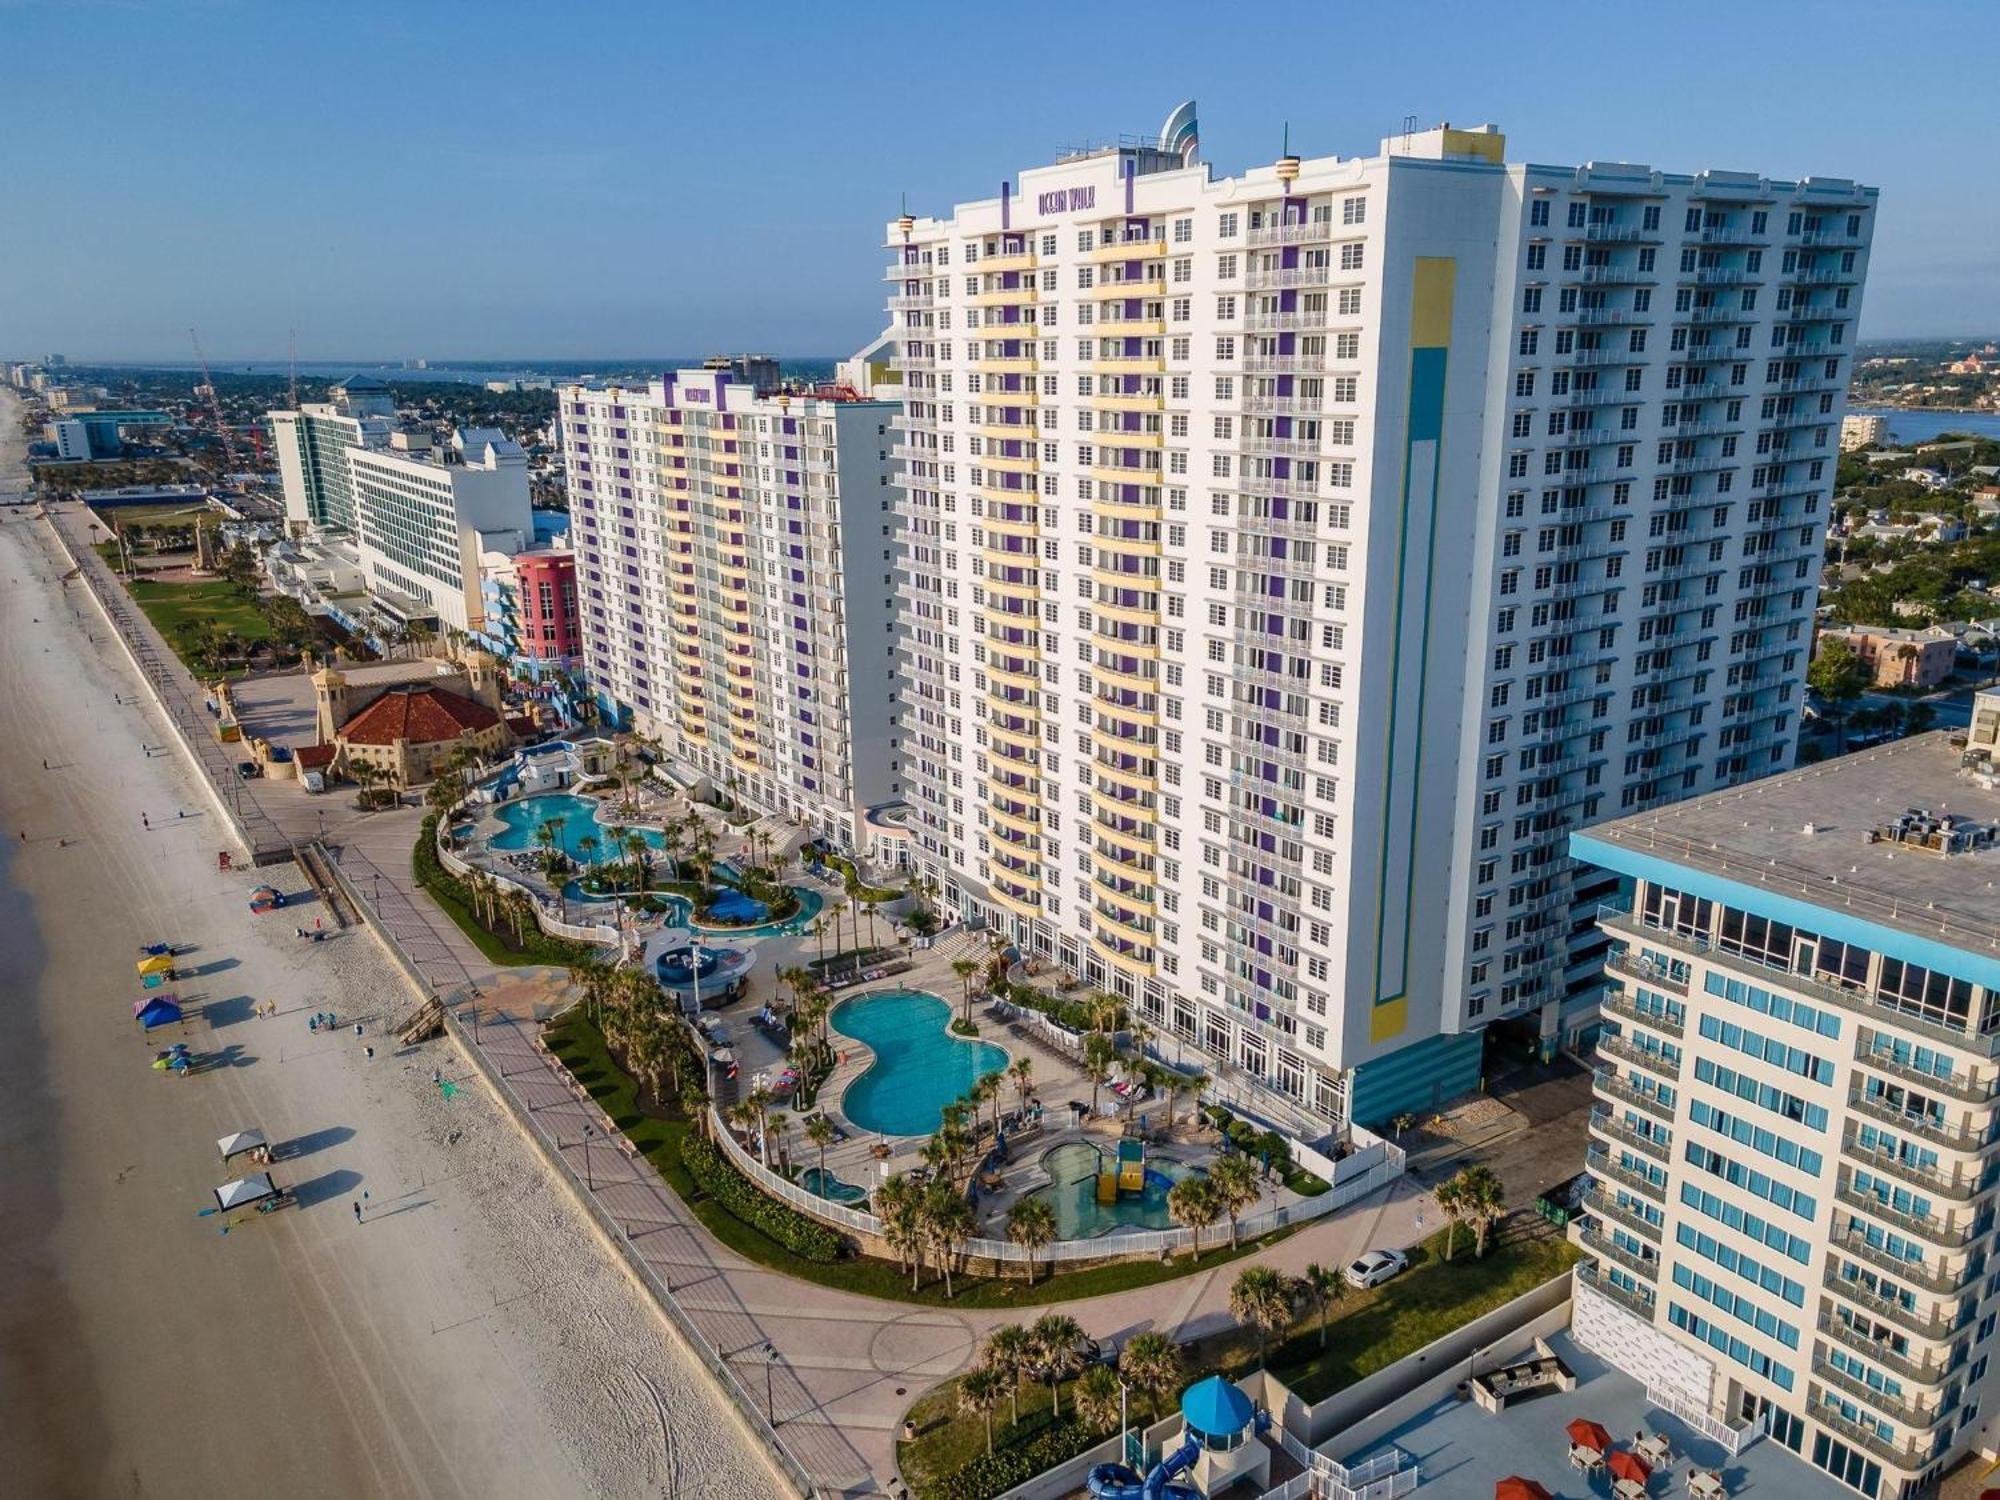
(1217, 1447)
(698, 974)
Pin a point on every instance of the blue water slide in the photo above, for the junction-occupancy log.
(1119, 1482)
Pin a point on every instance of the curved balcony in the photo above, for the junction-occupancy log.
(1924, 1369)
(1932, 1327)
(1629, 1052)
(1020, 900)
(1602, 1164)
(1932, 1230)
(1615, 1004)
(1129, 328)
(1613, 1086)
(1614, 1129)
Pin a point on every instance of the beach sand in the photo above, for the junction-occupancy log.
(468, 1337)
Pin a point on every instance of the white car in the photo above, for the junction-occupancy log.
(1376, 1267)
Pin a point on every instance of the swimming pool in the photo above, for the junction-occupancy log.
(578, 817)
(1072, 1193)
(919, 1067)
(826, 1185)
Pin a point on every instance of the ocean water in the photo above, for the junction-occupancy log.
(1907, 426)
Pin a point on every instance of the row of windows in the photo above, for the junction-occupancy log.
(1751, 1180)
(1778, 1007)
(1763, 1095)
(1740, 1308)
(1757, 1137)
(1752, 1271)
(1723, 1342)
(1767, 1049)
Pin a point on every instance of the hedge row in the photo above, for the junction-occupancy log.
(712, 1173)
(989, 1475)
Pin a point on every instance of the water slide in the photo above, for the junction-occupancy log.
(1120, 1482)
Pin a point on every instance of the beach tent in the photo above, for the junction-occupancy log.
(158, 963)
(266, 898)
(245, 1192)
(239, 1142)
(160, 1010)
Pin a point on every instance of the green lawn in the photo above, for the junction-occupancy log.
(581, 1047)
(1371, 1330)
(152, 515)
(168, 604)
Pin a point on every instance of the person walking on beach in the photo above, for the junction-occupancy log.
(357, 1210)
(145, 820)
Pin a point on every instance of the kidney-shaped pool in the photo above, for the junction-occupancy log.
(919, 1066)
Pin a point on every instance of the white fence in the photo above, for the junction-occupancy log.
(1735, 1439)
(1378, 1172)
(553, 925)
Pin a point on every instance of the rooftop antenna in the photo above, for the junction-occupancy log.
(1409, 129)
(1288, 164)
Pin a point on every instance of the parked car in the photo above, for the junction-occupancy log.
(1376, 1267)
(247, 769)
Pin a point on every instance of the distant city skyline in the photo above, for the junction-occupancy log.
(457, 183)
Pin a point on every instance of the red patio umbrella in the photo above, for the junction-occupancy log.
(1516, 1488)
(1624, 1465)
(1588, 1434)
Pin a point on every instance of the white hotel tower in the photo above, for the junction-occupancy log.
(1293, 560)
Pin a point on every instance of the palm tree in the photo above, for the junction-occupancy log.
(819, 1130)
(637, 849)
(978, 1393)
(774, 1131)
(818, 930)
(965, 968)
(1023, 1074)
(1010, 1351)
(987, 1091)
(948, 1224)
(1483, 1200)
(1322, 1286)
(1450, 1196)
(898, 1204)
(1058, 1342)
(1103, 1010)
(1262, 1298)
(1031, 1224)
(1234, 1178)
(1194, 1204)
(1096, 1396)
(586, 847)
(761, 1100)
(1151, 1362)
(1098, 1056)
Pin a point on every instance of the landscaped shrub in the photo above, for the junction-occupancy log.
(1305, 1184)
(712, 1173)
(985, 1477)
(533, 945)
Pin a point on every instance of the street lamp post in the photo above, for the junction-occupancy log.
(588, 1180)
(770, 1362)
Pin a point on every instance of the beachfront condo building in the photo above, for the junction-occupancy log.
(417, 516)
(736, 585)
(1790, 1212)
(1291, 561)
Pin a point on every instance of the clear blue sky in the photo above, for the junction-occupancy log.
(597, 179)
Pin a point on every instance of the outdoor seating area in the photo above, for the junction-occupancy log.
(1601, 1436)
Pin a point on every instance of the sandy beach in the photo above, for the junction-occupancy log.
(467, 1336)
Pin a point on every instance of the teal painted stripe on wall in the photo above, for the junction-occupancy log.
(1420, 1076)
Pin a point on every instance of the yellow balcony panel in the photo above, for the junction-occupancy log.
(1138, 926)
(1026, 681)
(1128, 364)
(1106, 509)
(1019, 296)
(1011, 893)
(1138, 682)
(1005, 527)
(1138, 964)
(1126, 859)
(1110, 544)
(1130, 717)
(1012, 432)
(1027, 365)
(1106, 474)
(1002, 557)
(1031, 740)
(1140, 845)
(1128, 403)
(995, 265)
(1028, 396)
(1138, 289)
(1130, 328)
(1025, 650)
(1133, 250)
(994, 494)
(1143, 615)
(1022, 828)
(1120, 439)
(1006, 465)
(1138, 781)
(1024, 842)
(1015, 590)
(1108, 578)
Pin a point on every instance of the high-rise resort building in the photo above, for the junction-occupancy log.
(1292, 560)
(1790, 1220)
(414, 516)
(736, 585)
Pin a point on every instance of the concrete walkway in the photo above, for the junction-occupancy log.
(845, 1367)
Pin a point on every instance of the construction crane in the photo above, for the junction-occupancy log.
(214, 404)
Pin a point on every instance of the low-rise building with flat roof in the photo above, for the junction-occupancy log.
(1898, 658)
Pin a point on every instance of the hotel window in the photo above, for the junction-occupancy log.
(1225, 268)
(1538, 211)
(1183, 231)
(1350, 302)
(1183, 269)
(1226, 226)
(1347, 346)
(1086, 240)
(1354, 210)
(1350, 257)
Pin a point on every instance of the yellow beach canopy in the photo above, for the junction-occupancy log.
(159, 963)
